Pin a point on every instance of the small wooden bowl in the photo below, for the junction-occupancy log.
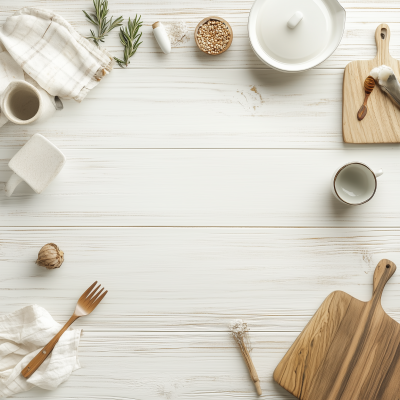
(205, 20)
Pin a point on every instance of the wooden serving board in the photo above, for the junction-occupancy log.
(382, 122)
(350, 350)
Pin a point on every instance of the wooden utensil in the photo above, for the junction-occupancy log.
(369, 85)
(86, 304)
(240, 332)
(383, 122)
(350, 350)
(251, 368)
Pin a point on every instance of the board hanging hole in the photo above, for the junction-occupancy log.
(387, 266)
(383, 33)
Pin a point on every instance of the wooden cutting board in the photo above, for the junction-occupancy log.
(382, 122)
(350, 350)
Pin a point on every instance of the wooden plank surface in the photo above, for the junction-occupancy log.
(203, 188)
(170, 366)
(196, 279)
(198, 109)
(197, 191)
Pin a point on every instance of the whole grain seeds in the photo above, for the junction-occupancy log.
(213, 37)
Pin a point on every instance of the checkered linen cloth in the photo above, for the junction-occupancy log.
(51, 52)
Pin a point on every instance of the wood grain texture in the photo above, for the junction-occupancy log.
(170, 366)
(162, 331)
(196, 279)
(198, 109)
(381, 124)
(349, 350)
(263, 188)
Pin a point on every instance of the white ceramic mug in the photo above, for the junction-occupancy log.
(23, 103)
(37, 163)
(355, 183)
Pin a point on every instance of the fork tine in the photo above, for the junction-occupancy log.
(93, 299)
(91, 294)
(83, 297)
(96, 303)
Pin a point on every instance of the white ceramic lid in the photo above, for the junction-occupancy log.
(295, 35)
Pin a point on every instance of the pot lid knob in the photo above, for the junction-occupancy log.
(295, 19)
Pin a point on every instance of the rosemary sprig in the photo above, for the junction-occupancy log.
(99, 19)
(130, 37)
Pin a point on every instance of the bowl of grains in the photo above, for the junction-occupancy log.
(213, 35)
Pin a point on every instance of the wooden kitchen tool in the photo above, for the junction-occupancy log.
(350, 350)
(369, 85)
(85, 305)
(382, 122)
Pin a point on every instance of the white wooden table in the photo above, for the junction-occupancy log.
(197, 191)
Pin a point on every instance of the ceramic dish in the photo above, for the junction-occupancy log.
(295, 35)
(205, 20)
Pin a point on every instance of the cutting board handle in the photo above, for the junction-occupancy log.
(382, 38)
(383, 272)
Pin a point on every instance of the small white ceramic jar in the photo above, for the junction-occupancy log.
(162, 38)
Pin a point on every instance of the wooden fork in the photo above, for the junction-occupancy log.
(86, 304)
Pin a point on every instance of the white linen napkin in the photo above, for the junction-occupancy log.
(50, 51)
(23, 333)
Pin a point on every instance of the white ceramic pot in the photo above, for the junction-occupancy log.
(295, 35)
(23, 103)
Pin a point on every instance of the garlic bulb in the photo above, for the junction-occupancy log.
(388, 82)
(50, 256)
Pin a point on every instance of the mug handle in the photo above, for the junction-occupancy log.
(379, 172)
(12, 183)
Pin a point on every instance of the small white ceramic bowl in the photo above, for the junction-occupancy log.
(288, 48)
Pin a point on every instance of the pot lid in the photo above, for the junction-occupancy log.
(297, 31)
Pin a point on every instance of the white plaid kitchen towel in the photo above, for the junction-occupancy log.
(51, 52)
(23, 334)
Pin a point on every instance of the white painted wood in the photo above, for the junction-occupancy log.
(199, 109)
(152, 366)
(149, 160)
(192, 279)
(203, 188)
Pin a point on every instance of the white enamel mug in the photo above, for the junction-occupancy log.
(23, 103)
(355, 183)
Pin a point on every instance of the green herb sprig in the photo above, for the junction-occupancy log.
(130, 37)
(99, 19)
